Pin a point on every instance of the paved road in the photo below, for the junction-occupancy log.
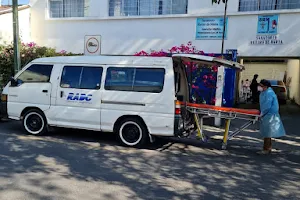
(85, 165)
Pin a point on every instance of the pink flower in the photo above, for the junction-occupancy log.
(187, 63)
(173, 49)
(213, 101)
(195, 87)
(189, 43)
(205, 77)
(63, 52)
(214, 69)
(31, 44)
(141, 53)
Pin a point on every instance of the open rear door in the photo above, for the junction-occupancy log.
(183, 87)
(207, 60)
(181, 80)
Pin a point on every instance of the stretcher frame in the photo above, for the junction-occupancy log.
(199, 113)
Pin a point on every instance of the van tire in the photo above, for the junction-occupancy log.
(132, 132)
(34, 122)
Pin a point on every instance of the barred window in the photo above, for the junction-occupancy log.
(147, 7)
(67, 8)
(256, 5)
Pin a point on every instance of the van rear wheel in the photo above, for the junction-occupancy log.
(132, 132)
(34, 122)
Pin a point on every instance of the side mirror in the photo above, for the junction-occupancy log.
(13, 82)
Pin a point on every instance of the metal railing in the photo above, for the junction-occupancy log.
(257, 5)
(147, 7)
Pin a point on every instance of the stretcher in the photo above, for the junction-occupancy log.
(201, 111)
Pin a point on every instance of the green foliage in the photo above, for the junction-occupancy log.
(28, 52)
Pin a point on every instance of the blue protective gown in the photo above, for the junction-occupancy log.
(270, 125)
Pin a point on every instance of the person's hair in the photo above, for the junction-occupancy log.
(265, 83)
(256, 75)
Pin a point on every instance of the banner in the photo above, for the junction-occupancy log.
(267, 25)
(211, 28)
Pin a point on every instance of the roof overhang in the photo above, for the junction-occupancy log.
(9, 9)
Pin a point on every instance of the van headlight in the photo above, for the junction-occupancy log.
(3, 97)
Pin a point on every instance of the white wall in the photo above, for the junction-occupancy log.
(6, 28)
(294, 73)
(129, 35)
(264, 70)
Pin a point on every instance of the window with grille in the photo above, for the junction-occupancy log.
(256, 5)
(147, 7)
(67, 8)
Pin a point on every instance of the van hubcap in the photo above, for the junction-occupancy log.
(131, 133)
(34, 123)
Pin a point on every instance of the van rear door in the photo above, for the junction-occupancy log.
(181, 80)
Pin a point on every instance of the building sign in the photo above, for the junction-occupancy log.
(266, 40)
(233, 52)
(92, 45)
(267, 27)
(267, 24)
(210, 28)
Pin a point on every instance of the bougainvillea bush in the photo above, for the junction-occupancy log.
(203, 79)
(28, 52)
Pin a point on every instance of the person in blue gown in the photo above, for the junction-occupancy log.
(270, 123)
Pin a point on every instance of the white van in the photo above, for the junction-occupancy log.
(130, 95)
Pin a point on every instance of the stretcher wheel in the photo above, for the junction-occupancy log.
(224, 146)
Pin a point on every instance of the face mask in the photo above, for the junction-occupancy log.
(259, 88)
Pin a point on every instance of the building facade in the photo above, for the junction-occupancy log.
(127, 26)
(6, 21)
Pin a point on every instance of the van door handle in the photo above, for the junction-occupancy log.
(61, 94)
(45, 91)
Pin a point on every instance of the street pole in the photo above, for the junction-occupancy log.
(224, 29)
(221, 71)
(17, 59)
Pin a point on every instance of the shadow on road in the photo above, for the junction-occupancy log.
(99, 168)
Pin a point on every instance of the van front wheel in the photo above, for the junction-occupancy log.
(133, 133)
(34, 122)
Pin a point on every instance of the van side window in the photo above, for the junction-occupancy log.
(36, 73)
(120, 79)
(81, 77)
(149, 80)
(135, 79)
(91, 78)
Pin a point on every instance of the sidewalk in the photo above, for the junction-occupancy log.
(250, 138)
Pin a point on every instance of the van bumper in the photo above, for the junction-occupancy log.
(3, 109)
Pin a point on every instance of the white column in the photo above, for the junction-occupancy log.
(293, 72)
(219, 91)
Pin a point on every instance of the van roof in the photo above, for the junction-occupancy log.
(111, 60)
(138, 60)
